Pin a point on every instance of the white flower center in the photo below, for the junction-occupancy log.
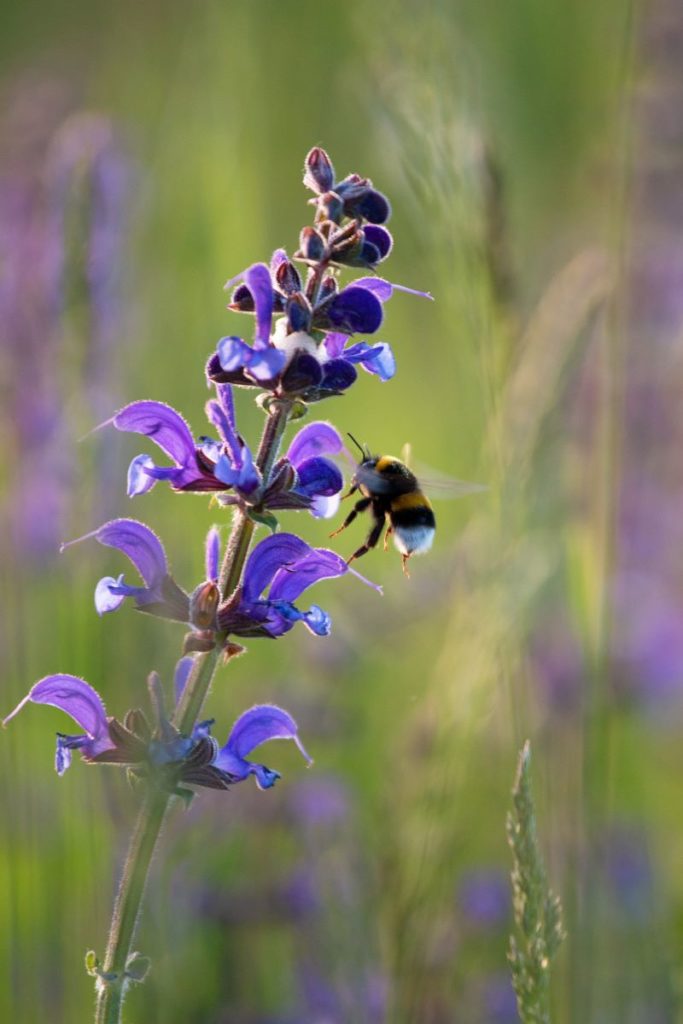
(298, 341)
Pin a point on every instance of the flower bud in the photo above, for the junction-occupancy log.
(311, 245)
(287, 278)
(331, 207)
(203, 605)
(299, 314)
(318, 171)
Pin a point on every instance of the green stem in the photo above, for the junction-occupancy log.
(111, 981)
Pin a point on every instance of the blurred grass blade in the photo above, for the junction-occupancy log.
(538, 912)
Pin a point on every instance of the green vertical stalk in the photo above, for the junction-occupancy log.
(112, 980)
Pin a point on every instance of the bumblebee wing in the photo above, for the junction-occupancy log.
(439, 485)
(407, 454)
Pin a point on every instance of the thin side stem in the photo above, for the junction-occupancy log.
(111, 984)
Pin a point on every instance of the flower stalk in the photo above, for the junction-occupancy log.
(112, 980)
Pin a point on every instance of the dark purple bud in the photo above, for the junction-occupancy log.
(318, 171)
(312, 245)
(299, 314)
(328, 288)
(350, 246)
(369, 256)
(287, 278)
(352, 188)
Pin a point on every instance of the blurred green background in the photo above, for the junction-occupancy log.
(532, 153)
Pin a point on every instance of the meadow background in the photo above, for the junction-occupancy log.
(533, 154)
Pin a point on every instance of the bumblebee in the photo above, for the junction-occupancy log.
(390, 491)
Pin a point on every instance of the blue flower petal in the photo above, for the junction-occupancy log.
(139, 481)
(258, 725)
(269, 556)
(162, 424)
(318, 476)
(317, 438)
(317, 564)
(356, 311)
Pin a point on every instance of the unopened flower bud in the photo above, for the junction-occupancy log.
(318, 171)
(287, 278)
(203, 605)
(331, 207)
(312, 245)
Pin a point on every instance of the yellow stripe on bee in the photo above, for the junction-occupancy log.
(384, 461)
(415, 499)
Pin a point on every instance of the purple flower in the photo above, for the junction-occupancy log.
(160, 594)
(484, 898)
(284, 565)
(194, 759)
(78, 699)
(318, 479)
(290, 359)
(204, 465)
(260, 724)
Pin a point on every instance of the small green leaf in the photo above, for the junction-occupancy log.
(92, 963)
(137, 967)
(264, 519)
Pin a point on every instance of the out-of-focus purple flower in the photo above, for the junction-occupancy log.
(82, 703)
(284, 565)
(320, 802)
(499, 1003)
(160, 594)
(484, 898)
(260, 724)
(629, 869)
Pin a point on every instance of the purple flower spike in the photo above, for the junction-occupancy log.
(258, 281)
(168, 429)
(160, 594)
(258, 725)
(79, 700)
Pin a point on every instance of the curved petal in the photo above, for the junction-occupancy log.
(233, 353)
(106, 600)
(218, 415)
(164, 425)
(282, 549)
(73, 696)
(139, 481)
(380, 238)
(139, 543)
(257, 280)
(258, 725)
(334, 343)
(318, 476)
(317, 438)
(356, 310)
(318, 564)
(378, 359)
(317, 620)
(323, 507)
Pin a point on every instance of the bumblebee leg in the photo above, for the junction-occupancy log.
(360, 506)
(371, 542)
(405, 565)
(387, 535)
(352, 490)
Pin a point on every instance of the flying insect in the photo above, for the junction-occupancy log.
(391, 491)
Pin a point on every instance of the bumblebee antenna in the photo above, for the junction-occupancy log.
(365, 452)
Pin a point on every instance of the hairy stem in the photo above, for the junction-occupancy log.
(112, 981)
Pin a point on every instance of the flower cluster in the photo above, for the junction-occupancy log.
(305, 347)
